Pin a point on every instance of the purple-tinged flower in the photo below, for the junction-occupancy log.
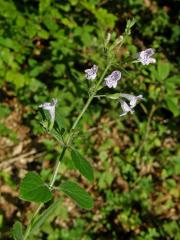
(132, 102)
(91, 73)
(132, 99)
(50, 107)
(125, 108)
(145, 57)
(112, 80)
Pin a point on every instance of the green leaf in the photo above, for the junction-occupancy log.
(56, 135)
(33, 189)
(77, 193)
(44, 216)
(59, 121)
(114, 96)
(174, 80)
(44, 5)
(82, 165)
(45, 115)
(16, 78)
(163, 70)
(17, 231)
(43, 34)
(172, 103)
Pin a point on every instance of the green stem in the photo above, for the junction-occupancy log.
(153, 109)
(58, 162)
(90, 99)
(50, 186)
(69, 138)
(31, 221)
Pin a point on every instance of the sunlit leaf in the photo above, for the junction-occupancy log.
(33, 189)
(77, 193)
(82, 165)
(172, 103)
(163, 70)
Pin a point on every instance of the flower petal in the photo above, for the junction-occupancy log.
(111, 80)
(91, 73)
(125, 107)
(132, 99)
(50, 107)
(145, 56)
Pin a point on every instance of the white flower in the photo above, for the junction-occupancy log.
(91, 73)
(125, 107)
(132, 99)
(112, 80)
(145, 57)
(132, 102)
(50, 107)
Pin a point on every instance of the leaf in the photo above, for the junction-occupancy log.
(17, 231)
(174, 80)
(82, 165)
(172, 103)
(44, 216)
(16, 78)
(43, 34)
(44, 5)
(56, 135)
(33, 189)
(45, 115)
(59, 121)
(163, 70)
(114, 96)
(77, 193)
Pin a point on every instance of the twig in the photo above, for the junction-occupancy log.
(6, 162)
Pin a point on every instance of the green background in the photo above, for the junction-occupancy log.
(44, 48)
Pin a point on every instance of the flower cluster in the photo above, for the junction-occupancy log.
(111, 81)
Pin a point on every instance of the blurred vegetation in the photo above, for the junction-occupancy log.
(45, 46)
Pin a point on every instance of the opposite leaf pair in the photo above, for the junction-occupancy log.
(33, 189)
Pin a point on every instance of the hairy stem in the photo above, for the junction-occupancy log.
(57, 168)
(69, 138)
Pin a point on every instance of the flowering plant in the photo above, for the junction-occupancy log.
(32, 187)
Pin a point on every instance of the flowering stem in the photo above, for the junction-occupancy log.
(90, 99)
(69, 138)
